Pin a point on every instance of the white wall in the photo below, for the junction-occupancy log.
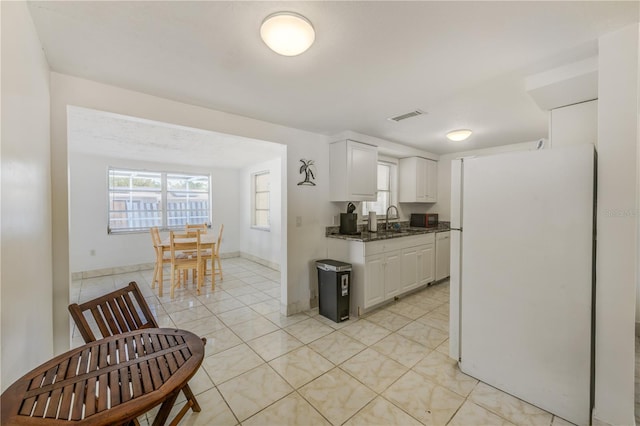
(26, 292)
(88, 216)
(260, 243)
(305, 243)
(443, 206)
(617, 254)
(574, 124)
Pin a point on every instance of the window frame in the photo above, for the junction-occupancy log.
(164, 198)
(254, 194)
(393, 192)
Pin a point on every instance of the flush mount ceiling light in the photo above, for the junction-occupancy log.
(287, 33)
(459, 135)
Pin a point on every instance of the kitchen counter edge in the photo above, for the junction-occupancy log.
(366, 236)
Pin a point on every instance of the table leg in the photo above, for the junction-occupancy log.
(165, 409)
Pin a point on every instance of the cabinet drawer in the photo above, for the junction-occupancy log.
(374, 247)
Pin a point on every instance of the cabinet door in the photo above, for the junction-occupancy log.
(426, 263)
(422, 192)
(431, 177)
(392, 274)
(362, 171)
(374, 280)
(409, 269)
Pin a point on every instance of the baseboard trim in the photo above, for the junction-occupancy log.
(83, 275)
(595, 421)
(295, 308)
(261, 261)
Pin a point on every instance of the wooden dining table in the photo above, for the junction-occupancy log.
(106, 382)
(207, 241)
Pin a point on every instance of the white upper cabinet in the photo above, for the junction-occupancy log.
(353, 171)
(418, 180)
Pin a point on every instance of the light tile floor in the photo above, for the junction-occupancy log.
(390, 367)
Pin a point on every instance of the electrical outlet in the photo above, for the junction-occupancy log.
(298, 221)
(336, 220)
(92, 252)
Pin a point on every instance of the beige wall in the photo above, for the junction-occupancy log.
(26, 336)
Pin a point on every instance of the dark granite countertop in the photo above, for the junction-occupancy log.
(366, 236)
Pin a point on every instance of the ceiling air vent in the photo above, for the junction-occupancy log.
(404, 116)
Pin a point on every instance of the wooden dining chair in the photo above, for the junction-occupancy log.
(185, 256)
(195, 226)
(161, 259)
(119, 312)
(216, 259)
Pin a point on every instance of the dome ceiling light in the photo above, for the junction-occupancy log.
(287, 33)
(459, 135)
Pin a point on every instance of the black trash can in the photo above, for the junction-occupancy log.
(334, 282)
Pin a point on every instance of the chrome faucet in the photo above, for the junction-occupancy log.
(386, 225)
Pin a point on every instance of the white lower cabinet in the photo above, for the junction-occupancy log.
(385, 269)
(392, 274)
(373, 293)
(410, 269)
(426, 264)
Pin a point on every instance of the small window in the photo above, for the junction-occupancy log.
(384, 192)
(261, 195)
(140, 199)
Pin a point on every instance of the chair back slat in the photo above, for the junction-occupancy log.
(126, 314)
(110, 319)
(100, 320)
(114, 313)
(201, 226)
(144, 308)
(126, 301)
(123, 327)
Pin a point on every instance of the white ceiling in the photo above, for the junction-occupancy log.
(462, 62)
(120, 136)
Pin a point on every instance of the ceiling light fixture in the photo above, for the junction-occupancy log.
(287, 33)
(459, 135)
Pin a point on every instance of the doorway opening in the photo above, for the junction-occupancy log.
(159, 158)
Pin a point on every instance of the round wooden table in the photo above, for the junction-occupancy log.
(106, 382)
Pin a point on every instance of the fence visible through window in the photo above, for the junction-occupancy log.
(139, 200)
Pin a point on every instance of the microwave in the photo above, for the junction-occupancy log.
(423, 220)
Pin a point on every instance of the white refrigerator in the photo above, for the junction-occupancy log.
(522, 275)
